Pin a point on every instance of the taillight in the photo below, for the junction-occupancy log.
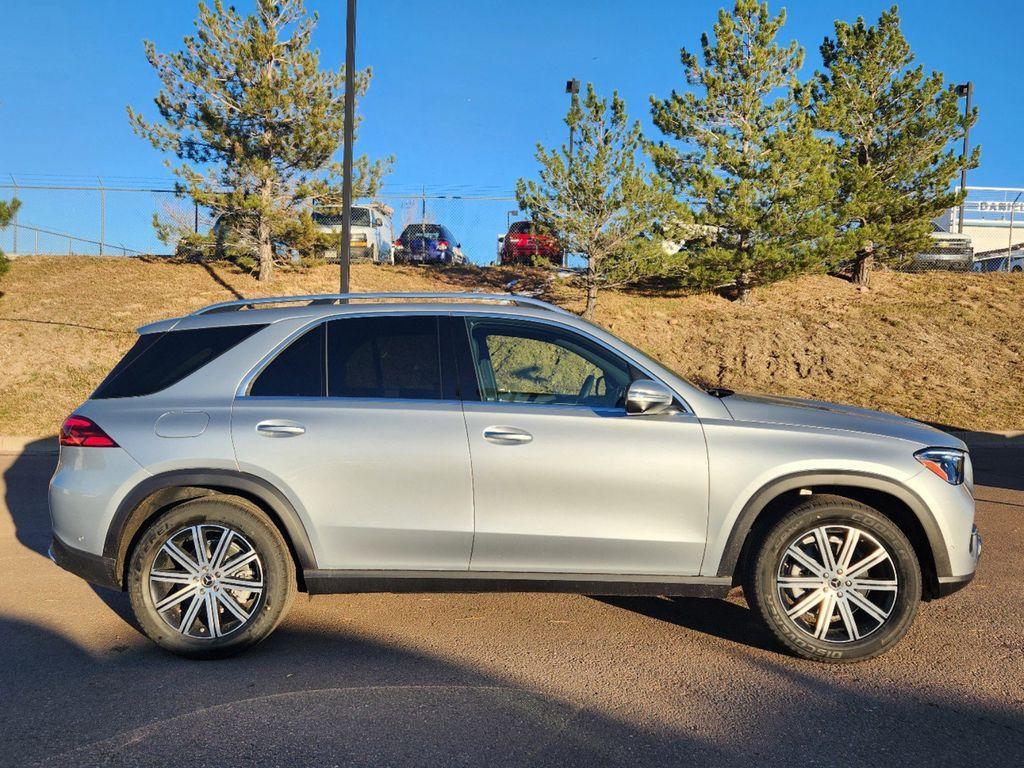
(442, 245)
(84, 433)
(396, 244)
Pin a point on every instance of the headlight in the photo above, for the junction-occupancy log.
(947, 463)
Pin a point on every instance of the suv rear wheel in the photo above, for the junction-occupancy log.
(835, 580)
(210, 577)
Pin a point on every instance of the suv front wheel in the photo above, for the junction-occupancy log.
(210, 577)
(835, 580)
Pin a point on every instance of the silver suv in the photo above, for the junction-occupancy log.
(473, 442)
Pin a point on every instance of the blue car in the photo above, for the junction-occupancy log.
(428, 244)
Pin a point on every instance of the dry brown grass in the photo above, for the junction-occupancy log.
(939, 347)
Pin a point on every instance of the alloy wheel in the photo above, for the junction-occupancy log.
(206, 581)
(837, 583)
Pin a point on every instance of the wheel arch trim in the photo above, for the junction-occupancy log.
(760, 500)
(128, 520)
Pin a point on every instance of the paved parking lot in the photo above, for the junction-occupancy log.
(494, 680)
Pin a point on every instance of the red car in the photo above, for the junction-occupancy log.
(524, 243)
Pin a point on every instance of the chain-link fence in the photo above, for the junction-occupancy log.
(105, 219)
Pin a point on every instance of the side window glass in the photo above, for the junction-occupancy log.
(384, 357)
(521, 363)
(298, 371)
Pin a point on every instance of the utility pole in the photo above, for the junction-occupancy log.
(572, 87)
(345, 253)
(964, 91)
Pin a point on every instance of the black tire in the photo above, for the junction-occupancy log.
(771, 601)
(258, 533)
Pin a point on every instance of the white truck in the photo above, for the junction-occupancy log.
(372, 230)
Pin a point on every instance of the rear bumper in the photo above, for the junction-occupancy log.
(95, 569)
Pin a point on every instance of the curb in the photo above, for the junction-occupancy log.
(31, 446)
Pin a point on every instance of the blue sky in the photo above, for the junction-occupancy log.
(462, 90)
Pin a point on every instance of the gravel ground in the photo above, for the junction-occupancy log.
(494, 680)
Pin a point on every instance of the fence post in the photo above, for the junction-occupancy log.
(103, 215)
(35, 249)
(14, 220)
(195, 224)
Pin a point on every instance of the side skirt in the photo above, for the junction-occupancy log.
(327, 582)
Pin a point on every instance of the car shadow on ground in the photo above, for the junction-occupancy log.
(717, 618)
(328, 698)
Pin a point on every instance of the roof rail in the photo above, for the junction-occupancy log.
(338, 298)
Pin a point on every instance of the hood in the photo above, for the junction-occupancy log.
(794, 411)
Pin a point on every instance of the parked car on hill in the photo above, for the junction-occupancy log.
(474, 442)
(525, 243)
(428, 243)
(997, 262)
(949, 251)
(372, 231)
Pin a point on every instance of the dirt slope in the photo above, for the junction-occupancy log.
(939, 347)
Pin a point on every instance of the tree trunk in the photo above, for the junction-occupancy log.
(588, 312)
(264, 241)
(744, 282)
(862, 267)
(266, 250)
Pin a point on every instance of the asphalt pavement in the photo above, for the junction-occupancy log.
(504, 680)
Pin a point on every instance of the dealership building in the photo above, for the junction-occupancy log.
(993, 219)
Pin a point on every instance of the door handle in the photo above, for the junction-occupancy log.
(280, 428)
(507, 435)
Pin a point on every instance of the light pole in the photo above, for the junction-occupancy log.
(345, 255)
(1009, 245)
(572, 87)
(964, 91)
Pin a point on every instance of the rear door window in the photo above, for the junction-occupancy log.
(397, 357)
(159, 360)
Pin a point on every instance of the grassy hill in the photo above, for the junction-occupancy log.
(939, 347)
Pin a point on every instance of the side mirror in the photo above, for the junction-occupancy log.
(646, 397)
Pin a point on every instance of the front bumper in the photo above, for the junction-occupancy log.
(949, 584)
(95, 569)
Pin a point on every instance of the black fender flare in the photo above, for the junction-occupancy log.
(866, 480)
(216, 480)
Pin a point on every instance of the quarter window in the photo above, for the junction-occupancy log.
(521, 363)
(298, 371)
(384, 357)
(159, 360)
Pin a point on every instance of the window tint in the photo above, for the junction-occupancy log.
(159, 360)
(298, 371)
(520, 363)
(384, 357)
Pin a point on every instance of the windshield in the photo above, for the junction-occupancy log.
(332, 217)
(428, 231)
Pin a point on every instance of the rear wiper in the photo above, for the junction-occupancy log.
(720, 392)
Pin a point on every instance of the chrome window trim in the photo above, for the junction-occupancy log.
(242, 391)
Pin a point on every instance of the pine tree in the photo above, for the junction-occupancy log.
(749, 161)
(893, 128)
(7, 211)
(601, 201)
(256, 122)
